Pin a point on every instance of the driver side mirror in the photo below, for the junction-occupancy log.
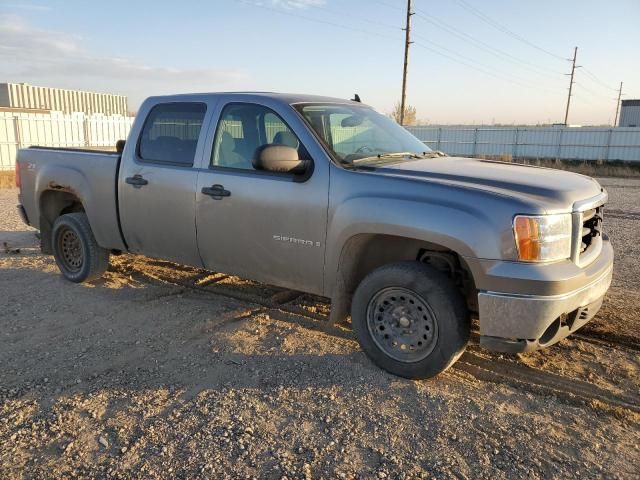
(280, 159)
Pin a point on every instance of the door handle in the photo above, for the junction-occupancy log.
(136, 181)
(216, 191)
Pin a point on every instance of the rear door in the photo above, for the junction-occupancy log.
(265, 226)
(158, 180)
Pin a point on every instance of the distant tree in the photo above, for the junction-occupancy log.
(409, 114)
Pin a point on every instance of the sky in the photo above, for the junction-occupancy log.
(472, 61)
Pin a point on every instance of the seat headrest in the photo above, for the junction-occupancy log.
(227, 142)
(286, 138)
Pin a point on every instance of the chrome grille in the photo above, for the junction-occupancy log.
(587, 238)
(591, 228)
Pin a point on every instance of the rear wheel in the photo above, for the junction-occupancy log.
(77, 254)
(410, 319)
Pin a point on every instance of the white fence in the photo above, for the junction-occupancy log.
(568, 143)
(18, 130)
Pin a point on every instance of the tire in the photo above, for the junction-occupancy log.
(418, 308)
(78, 256)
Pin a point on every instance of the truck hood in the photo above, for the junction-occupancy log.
(552, 190)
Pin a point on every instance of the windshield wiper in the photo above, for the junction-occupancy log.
(390, 156)
(433, 154)
(382, 156)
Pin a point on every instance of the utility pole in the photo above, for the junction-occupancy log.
(407, 42)
(615, 121)
(573, 69)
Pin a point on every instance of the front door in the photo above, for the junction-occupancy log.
(260, 225)
(157, 186)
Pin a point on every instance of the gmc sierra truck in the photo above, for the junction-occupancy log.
(327, 196)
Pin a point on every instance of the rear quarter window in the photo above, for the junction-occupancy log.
(170, 133)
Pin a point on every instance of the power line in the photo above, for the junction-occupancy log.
(502, 55)
(597, 80)
(597, 95)
(498, 26)
(351, 28)
(495, 51)
(473, 67)
(478, 64)
(466, 37)
(360, 30)
(464, 60)
(390, 5)
(341, 14)
(478, 13)
(585, 99)
(440, 49)
(484, 46)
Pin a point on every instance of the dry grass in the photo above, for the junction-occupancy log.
(593, 168)
(7, 179)
(596, 168)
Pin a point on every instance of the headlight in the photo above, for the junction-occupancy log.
(543, 238)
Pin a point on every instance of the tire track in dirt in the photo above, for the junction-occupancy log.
(608, 340)
(621, 214)
(283, 297)
(630, 187)
(520, 376)
(277, 301)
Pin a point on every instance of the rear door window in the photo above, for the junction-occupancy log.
(170, 133)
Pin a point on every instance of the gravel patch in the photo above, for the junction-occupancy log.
(139, 376)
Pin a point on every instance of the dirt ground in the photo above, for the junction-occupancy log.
(165, 371)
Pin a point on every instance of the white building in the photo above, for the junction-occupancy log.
(630, 113)
(29, 97)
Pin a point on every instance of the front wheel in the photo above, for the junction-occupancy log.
(78, 255)
(410, 319)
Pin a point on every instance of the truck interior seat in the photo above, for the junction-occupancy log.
(227, 156)
(163, 148)
(243, 147)
(286, 138)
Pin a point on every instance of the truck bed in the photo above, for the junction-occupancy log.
(90, 175)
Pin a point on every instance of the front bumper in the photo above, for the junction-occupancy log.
(519, 322)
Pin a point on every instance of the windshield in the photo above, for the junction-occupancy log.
(355, 133)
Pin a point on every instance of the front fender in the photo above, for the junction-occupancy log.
(463, 229)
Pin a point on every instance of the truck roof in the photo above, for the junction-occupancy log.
(284, 97)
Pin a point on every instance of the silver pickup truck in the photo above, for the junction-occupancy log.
(329, 197)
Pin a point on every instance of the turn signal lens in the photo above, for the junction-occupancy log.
(543, 238)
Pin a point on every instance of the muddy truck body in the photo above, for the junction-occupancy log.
(326, 196)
